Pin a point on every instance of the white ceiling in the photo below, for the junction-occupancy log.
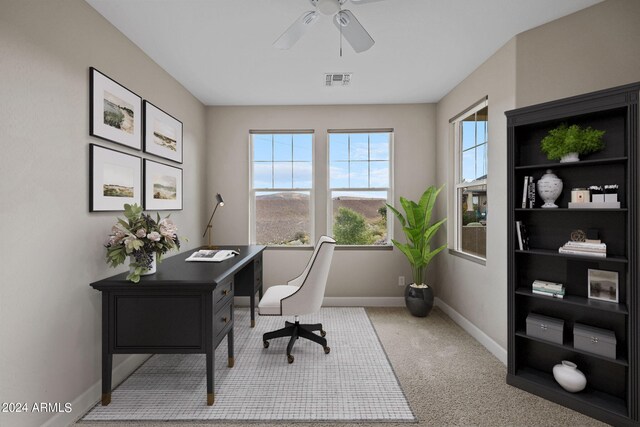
(221, 51)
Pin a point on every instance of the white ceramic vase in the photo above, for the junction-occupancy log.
(569, 376)
(549, 188)
(570, 157)
(151, 270)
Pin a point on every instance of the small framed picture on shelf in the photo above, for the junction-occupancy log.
(162, 186)
(115, 179)
(603, 285)
(162, 133)
(116, 112)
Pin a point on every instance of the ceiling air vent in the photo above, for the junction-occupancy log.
(337, 79)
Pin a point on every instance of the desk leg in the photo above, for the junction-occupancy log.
(106, 377)
(252, 299)
(107, 358)
(232, 360)
(210, 373)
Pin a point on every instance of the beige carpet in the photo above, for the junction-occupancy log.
(448, 378)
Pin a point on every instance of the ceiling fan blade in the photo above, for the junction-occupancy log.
(364, 1)
(296, 30)
(353, 31)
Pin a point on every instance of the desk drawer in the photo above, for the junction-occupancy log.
(257, 273)
(223, 290)
(257, 265)
(222, 318)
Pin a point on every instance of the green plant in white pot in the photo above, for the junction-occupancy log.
(420, 231)
(566, 143)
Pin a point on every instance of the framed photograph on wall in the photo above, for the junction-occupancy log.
(115, 112)
(162, 186)
(162, 133)
(603, 285)
(115, 179)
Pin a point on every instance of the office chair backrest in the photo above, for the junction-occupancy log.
(312, 281)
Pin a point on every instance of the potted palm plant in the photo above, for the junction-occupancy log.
(419, 230)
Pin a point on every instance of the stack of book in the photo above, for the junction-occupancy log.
(584, 248)
(522, 236)
(528, 192)
(550, 289)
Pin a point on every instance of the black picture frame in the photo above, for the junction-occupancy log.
(115, 112)
(163, 133)
(163, 186)
(115, 178)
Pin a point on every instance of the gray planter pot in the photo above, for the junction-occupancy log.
(419, 301)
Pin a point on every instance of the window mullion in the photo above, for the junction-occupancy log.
(273, 153)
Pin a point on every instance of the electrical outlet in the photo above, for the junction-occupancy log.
(400, 280)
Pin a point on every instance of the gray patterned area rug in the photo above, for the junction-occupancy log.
(354, 382)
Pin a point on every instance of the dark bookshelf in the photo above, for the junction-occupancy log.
(612, 394)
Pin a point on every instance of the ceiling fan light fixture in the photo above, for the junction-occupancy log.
(328, 7)
(342, 19)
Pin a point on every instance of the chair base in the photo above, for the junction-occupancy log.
(295, 331)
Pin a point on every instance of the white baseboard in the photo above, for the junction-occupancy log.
(344, 301)
(484, 339)
(86, 400)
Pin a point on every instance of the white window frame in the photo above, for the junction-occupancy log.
(389, 190)
(252, 190)
(455, 246)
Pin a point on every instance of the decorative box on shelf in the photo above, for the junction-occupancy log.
(594, 340)
(595, 205)
(545, 327)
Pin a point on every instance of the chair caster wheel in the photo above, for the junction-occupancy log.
(323, 333)
(289, 358)
(327, 349)
(265, 344)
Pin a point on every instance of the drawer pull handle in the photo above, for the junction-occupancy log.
(594, 340)
(225, 319)
(225, 292)
(543, 327)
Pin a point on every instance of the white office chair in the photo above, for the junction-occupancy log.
(302, 295)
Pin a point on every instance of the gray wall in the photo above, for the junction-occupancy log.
(596, 48)
(363, 275)
(51, 245)
(478, 292)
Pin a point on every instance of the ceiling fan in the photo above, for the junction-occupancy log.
(345, 21)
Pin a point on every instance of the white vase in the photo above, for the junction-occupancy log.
(570, 157)
(569, 376)
(549, 188)
(151, 270)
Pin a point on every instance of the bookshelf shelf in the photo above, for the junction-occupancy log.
(549, 252)
(568, 345)
(543, 384)
(613, 385)
(578, 301)
(539, 210)
(582, 163)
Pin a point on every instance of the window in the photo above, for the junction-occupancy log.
(282, 187)
(360, 183)
(470, 132)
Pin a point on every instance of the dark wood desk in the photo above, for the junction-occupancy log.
(185, 307)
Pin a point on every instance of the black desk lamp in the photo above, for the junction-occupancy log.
(220, 202)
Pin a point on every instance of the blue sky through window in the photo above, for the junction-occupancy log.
(282, 160)
(359, 160)
(474, 146)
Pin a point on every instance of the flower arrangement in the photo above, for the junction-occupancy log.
(139, 237)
